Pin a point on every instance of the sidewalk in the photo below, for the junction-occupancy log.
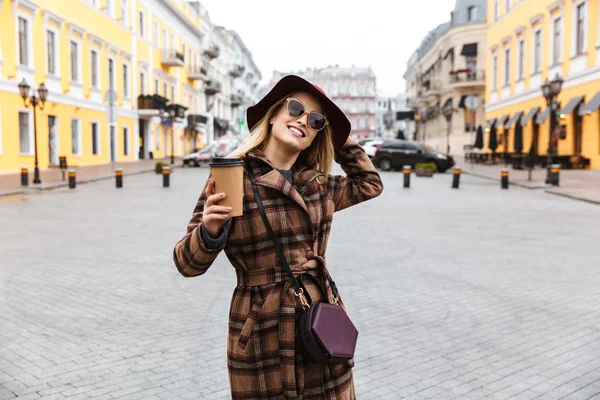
(51, 178)
(576, 184)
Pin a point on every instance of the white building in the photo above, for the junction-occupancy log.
(393, 118)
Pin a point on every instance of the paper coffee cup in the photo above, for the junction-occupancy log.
(228, 174)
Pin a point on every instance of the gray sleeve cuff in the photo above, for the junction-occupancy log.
(218, 242)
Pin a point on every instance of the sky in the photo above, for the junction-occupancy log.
(290, 35)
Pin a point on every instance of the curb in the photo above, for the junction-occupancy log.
(570, 196)
(498, 180)
(30, 189)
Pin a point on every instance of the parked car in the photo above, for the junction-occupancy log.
(203, 156)
(371, 147)
(394, 154)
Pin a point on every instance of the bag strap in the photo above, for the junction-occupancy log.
(299, 290)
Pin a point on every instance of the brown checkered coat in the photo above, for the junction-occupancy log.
(262, 360)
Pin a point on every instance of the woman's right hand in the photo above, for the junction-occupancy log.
(214, 216)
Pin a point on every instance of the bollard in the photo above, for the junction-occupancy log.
(406, 170)
(119, 177)
(166, 174)
(554, 174)
(504, 180)
(72, 179)
(24, 176)
(456, 177)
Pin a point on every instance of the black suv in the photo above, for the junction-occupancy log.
(394, 154)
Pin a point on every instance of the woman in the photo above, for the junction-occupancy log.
(296, 132)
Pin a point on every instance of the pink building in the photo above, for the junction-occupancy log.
(352, 89)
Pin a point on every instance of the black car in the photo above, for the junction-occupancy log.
(394, 154)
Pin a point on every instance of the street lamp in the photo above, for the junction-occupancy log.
(173, 112)
(447, 110)
(551, 90)
(34, 102)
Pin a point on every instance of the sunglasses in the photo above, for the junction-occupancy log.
(296, 109)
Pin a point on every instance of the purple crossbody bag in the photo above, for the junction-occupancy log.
(324, 331)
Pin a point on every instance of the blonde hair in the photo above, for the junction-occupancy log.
(318, 156)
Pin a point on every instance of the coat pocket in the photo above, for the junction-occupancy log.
(248, 327)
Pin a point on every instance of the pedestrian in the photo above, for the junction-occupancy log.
(296, 133)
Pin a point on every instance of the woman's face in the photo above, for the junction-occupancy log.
(293, 133)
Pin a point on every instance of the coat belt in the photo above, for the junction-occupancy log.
(287, 312)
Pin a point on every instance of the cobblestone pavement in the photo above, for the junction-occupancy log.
(475, 293)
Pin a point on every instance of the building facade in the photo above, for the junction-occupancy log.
(111, 83)
(352, 89)
(530, 41)
(448, 71)
(393, 118)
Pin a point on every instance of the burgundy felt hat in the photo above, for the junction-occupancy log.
(292, 84)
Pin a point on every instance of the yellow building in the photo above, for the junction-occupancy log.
(528, 42)
(110, 67)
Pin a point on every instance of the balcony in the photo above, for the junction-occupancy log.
(196, 122)
(196, 73)
(431, 88)
(151, 106)
(173, 58)
(212, 87)
(467, 78)
(237, 71)
(237, 99)
(213, 51)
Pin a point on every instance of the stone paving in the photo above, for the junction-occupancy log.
(476, 293)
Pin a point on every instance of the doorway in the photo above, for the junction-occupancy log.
(142, 130)
(52, 140)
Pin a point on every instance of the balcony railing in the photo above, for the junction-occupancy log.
(430, 87)
(212, 87)
(152, 102)
(213, 51)
(173, 58)
(467, 77)
(197, 73)
(196, 122)
(237, 70)
(236, 100)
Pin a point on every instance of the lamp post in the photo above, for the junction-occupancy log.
(551, 90)
(34, 102)
(447, 110)
(173, 113)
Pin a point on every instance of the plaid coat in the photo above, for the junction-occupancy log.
(262, 360)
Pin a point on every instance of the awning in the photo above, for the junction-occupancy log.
(221, 123)
(469, 49)
(402, 115)
(568, 109)
(591, 106)
(490, 123)
(532, 113)
(501, 121)
(543, 116)
(449, 53)
(461, 104)
(513, 120)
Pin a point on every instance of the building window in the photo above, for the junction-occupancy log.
(165, 89)
(537, 51)
(95, 139)
(125, 81)
(23, 41)
(124, 16)
(495, 73)
(164, 38)
(51, 51)
(142, 28)
(155, 33)
(172, 93)
(557, 41)
(126, 141)
(506, 67)
(110, 7)
(95, 81)
(24, 134)
(472, 13)
(142, 83)
(507, 6)
(496, 10)
(74, 62)
(156, 85)
(472, 63)
(580, 26)
(111, 74)
(521, 61)
(75, 137)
